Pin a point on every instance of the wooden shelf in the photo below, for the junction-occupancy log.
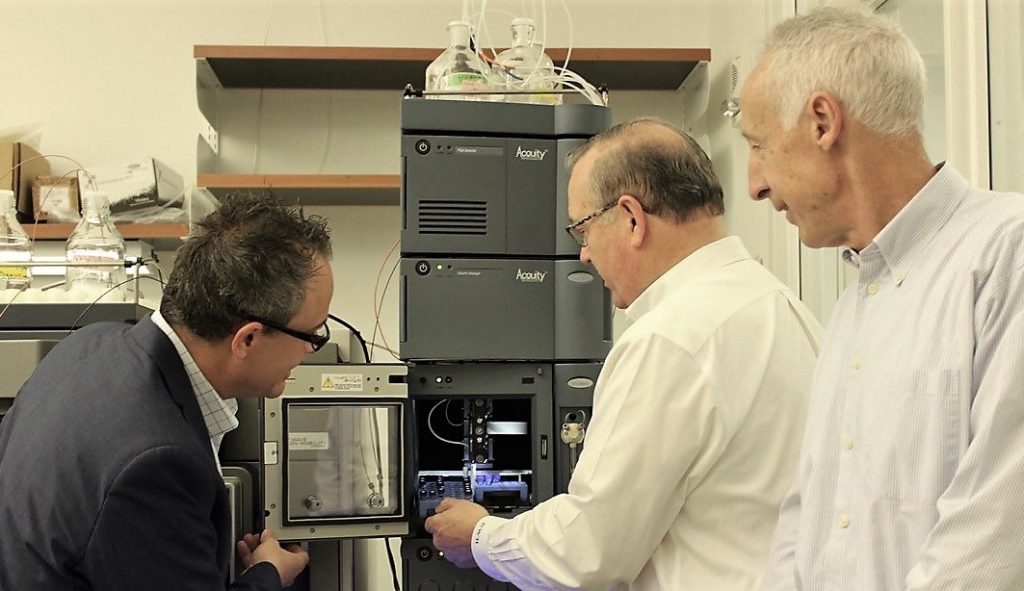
(391, 68)
(311, 189)
(159, 235)
(633, 68)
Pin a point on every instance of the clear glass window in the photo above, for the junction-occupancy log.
(343, 460)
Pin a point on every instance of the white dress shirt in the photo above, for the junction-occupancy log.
(218, 413)
(698, 415)
(912, 470)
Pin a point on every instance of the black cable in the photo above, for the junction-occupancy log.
(391, 561)
(156, 265)
(359, 335)
(74, 324)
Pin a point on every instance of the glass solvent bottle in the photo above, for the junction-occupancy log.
(527, 67)
(15, 247)
(96, 240)
(459, 67)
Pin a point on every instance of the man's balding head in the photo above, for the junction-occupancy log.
(659, 164)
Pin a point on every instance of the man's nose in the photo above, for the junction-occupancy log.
(758, 186)
(585, 255)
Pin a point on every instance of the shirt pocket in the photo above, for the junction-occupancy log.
(911, 435)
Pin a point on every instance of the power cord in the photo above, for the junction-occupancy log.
(359, 335)
(391, 561)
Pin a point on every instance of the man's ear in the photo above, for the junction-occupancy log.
(638, 219)
(826, 119)
(243, 339)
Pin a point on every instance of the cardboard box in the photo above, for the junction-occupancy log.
(133, 186)
(55, 199)
(19, 178)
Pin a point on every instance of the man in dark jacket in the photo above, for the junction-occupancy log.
(109, 477)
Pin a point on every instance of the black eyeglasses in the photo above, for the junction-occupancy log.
(317, 339)
(576, 230)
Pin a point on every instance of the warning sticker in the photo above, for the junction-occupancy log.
(316, 441)
(341, 382)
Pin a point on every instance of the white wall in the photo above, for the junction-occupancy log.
(114, 80)
(109, 80)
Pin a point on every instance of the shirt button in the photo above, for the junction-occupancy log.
(873, 288)
(855, 363)
(848, 443)
(844, 521)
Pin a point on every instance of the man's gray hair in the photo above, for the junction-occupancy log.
(862, 59)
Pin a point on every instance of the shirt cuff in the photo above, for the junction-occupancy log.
(481, 545)
(262, 574)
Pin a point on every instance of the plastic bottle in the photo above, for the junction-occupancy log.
(95, 239)
(15, 246)
(459, 67)
(528, 67)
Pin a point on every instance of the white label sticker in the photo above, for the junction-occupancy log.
(308, 441)
(341, 382)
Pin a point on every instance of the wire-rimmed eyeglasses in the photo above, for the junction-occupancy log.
(576, 229)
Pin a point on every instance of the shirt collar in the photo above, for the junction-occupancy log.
(218, 413)
(907, 235)
(711, 256)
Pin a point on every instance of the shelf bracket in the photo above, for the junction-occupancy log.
(208, 133)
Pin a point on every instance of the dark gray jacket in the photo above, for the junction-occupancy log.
(107, 476)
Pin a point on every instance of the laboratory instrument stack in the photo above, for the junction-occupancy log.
(504, 327)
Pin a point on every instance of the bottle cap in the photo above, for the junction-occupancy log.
(96, 198)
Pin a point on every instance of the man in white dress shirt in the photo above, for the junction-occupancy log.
(912, 469)
(699, 410)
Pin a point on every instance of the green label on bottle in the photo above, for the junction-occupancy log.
(465, 81)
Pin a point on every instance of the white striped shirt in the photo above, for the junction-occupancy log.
(912, 468)
(218, 413)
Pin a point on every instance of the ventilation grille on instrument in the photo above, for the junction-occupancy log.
(453, 217)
